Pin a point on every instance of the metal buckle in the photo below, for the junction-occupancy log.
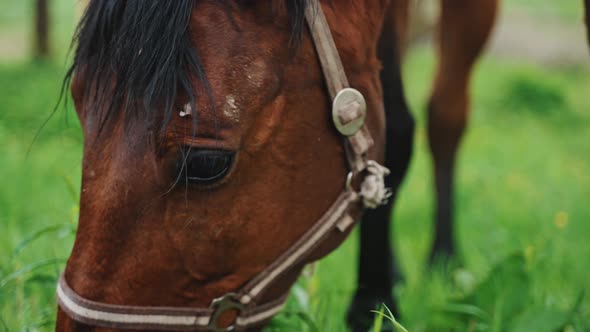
(220, 305)
(349, 177)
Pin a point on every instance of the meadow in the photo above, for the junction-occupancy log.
(523, 198)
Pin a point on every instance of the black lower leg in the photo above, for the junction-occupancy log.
(376, 270)
(444, 244)
(444, 138)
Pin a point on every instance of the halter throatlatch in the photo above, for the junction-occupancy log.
(348, 114)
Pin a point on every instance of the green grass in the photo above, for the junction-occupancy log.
(38, 190)
(523, 203)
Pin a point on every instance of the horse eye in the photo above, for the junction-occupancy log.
(204, 166)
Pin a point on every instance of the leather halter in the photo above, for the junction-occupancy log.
(348, 113)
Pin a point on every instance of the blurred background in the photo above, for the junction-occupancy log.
(523, 196)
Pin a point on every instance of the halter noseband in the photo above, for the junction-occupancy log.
(348, 114)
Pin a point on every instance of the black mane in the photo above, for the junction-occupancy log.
(136, 56)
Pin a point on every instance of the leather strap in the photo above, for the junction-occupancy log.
(154, 318)
(129, 317)
(338, 218)
(327, 52)
(357, 145)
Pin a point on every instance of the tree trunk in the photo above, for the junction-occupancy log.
(41, 29)
(587, 5)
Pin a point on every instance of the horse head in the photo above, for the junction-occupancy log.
(209, 147)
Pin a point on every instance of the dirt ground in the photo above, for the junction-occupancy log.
(13, 46)
(519, 35)
(546, 42)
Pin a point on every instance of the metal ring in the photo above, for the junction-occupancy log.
(349, 180)
(220, 305)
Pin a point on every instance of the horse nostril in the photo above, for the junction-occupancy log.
(204, 166)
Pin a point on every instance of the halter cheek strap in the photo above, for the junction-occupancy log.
(348, 114)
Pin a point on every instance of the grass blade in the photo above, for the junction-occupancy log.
(36, 235)
(4, 324)
(466, 309)
(390, 317)
(30, 268)
(378, 323)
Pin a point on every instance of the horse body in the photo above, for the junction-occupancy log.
(148, 236)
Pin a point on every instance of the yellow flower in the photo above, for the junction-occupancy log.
(561, 219)
(529, 251)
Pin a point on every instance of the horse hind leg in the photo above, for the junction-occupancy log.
(587, 17)
(377, 271)
(465, 26)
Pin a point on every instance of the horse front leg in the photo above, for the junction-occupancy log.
(378, 271)
(464, 29)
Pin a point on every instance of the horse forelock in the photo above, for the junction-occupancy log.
(137, 57)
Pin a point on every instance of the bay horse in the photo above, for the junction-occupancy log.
(209, 150)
